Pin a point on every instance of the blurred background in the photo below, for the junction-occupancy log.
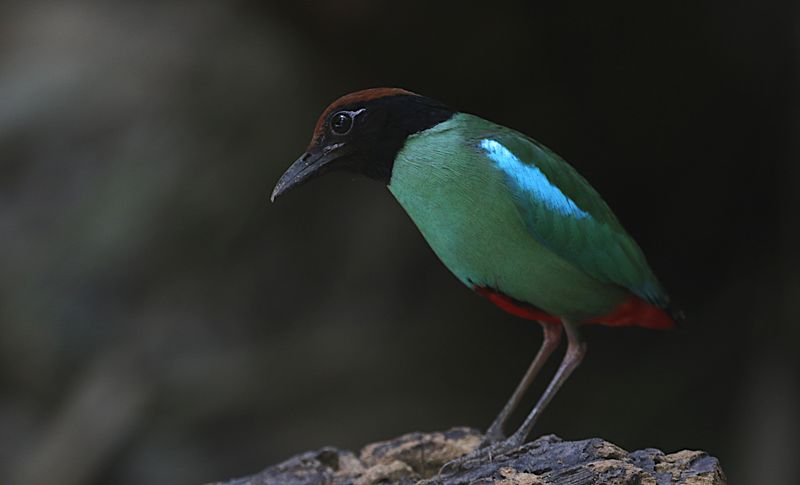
(161, 322)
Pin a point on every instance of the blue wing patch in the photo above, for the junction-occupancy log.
(531, 180)
(579, 227)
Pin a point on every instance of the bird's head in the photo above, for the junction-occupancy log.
(362, 132)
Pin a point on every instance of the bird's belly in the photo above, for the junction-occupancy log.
(483, 241)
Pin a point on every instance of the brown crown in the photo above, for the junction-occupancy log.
(354, 98)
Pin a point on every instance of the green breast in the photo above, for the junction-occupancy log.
(456, 197)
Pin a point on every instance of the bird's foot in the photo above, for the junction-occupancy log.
(493, 436)
(490, 448)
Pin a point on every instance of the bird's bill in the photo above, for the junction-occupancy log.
(312, 164)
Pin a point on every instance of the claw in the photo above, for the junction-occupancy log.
(486, 451)
(491, 438)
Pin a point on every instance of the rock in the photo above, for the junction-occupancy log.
(417, 458)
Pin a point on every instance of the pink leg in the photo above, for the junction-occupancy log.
(552, 336)
(575, 352)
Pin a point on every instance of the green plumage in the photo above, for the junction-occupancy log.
(491, 231)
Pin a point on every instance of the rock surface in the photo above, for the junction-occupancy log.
(417, 458)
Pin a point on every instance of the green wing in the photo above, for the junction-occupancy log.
(566, 215)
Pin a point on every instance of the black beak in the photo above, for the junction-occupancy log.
(312, 164)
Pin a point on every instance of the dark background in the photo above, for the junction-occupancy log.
(161, 322)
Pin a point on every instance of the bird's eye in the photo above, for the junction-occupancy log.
(341, 123)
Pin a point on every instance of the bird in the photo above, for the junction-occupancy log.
(512, 220)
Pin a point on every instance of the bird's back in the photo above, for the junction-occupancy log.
(504, 213)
